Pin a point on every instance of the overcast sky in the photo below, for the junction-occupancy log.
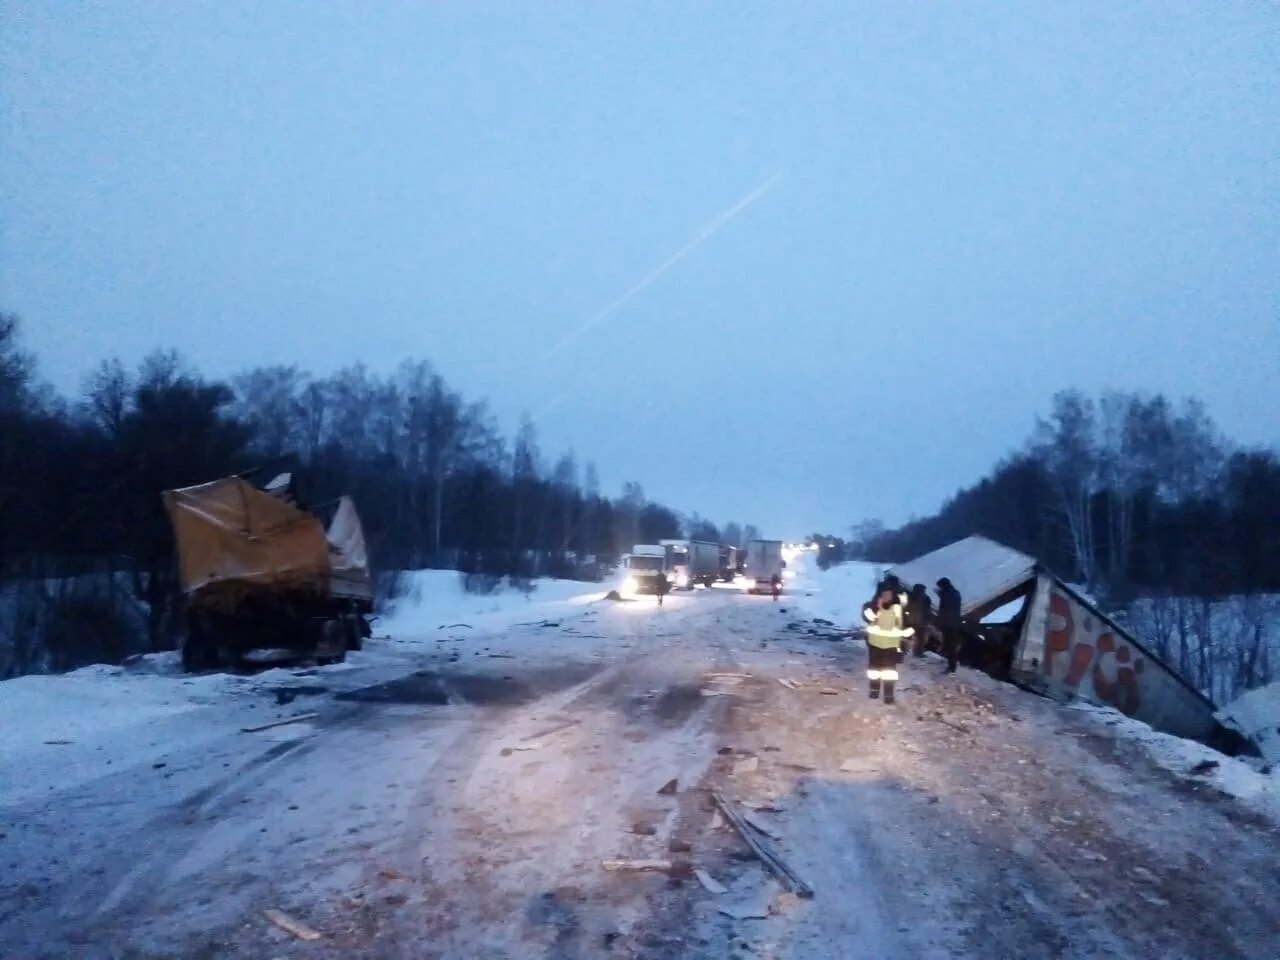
(796, 264)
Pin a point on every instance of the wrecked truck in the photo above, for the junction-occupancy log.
(258, 573)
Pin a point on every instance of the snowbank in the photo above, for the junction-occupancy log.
(1192, 760)
(836, 594)
(1256, 716)
(435, 599)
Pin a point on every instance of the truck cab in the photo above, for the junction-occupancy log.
(641, 569)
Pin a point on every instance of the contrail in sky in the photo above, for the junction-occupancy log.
(714, 224)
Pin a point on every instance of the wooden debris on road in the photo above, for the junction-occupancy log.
(788, 683)
(670, 787)
(757, 907)
(661, 866)
(953, 726)
(709, 883)
(289, 925)
(746, 765)
(776, 865)
(760, 826)
(280, 723)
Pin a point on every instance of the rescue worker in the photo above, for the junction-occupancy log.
(949, 602)
(886, 633)
(919, 617)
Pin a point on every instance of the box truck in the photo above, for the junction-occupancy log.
(764, 566)
(693, 562)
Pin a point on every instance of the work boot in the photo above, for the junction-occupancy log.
(888, 691)
(874, 692)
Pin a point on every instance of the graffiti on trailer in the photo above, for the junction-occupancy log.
(1089, 659)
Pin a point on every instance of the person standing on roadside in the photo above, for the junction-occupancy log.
(919, 617)
(886, 632)
(949, 602)
(662, 585)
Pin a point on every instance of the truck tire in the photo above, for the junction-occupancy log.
(199, 652)
(355, 633)
(332, 647)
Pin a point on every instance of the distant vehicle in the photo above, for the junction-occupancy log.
(693, 562)
(260, 573)
(728, 563)
(641, 568)
(764, 566)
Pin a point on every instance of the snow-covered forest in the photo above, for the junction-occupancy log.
(87, 570)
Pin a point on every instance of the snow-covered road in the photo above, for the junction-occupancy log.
(457, 798)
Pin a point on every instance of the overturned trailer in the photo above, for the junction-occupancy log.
(1053, 640)
(258, 572)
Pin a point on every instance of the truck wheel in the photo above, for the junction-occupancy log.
(355, 635)
(199, 653)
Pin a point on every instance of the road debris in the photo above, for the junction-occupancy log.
(788, 683)
(280, 723)
(709, 883)
(777, 866)
(1204, 767)
(759, 825)
(747, 910)
(289, 925)
(670, 787)
(661, 866)
(746, 765)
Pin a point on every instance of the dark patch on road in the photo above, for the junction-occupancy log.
(285, 695)
(438, 689)
(677, 704)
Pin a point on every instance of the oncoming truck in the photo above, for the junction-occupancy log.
(642, 567)
(764, 566)
(693, 562)
(258, 572)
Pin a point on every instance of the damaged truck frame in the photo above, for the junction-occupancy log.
(258, 573)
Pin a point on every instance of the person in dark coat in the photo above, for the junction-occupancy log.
(949, 602)
(919, 617)
(662, 586)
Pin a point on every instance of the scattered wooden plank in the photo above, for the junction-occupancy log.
(289, 925)
(760, 826)
(280, 723)
(776, 865)
(661, 866)
(746, 765)
(709, 883)
(670, 787)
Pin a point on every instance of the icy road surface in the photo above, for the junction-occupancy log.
(457, 798)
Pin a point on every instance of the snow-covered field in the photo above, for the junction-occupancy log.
(436, 599)
(466, 776)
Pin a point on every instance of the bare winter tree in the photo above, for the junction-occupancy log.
(1067, 449)
(270, 399)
